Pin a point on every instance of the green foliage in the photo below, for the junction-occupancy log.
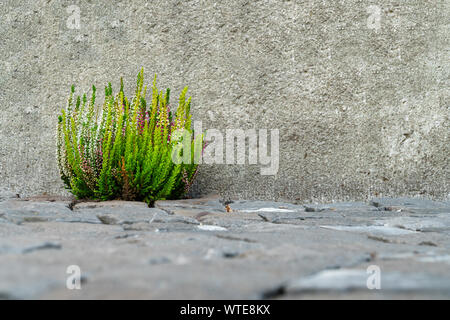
(125, 148)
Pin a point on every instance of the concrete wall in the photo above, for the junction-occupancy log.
(358, 89)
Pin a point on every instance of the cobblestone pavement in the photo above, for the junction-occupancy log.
(210, 249)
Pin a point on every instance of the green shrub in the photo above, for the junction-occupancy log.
(127, 149)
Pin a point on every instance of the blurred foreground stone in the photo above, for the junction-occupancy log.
(195, 249)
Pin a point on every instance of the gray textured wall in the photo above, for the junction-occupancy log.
(362, 103)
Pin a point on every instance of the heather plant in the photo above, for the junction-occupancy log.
(127, 149)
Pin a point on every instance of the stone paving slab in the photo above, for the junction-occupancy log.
(212, 248)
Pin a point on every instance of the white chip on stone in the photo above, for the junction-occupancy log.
(211, 228)
(382, 230)
(268, 210)
(443, 258)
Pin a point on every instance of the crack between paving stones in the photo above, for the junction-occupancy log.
(75, 221)
(73, 203)
(167, 211)
(220, 236)
(263, 217)
(381, 239)
(44, 246)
